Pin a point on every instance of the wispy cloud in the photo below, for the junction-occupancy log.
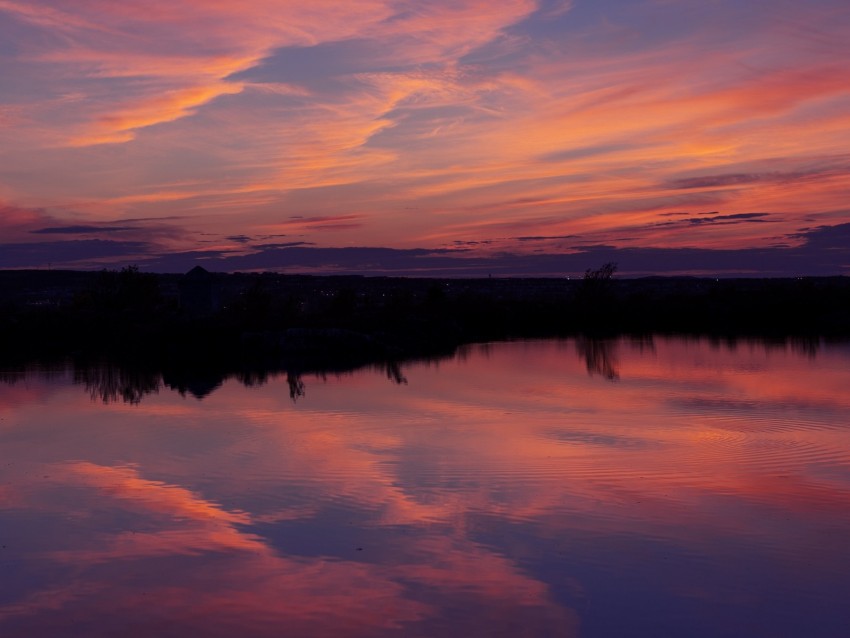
(412, 124)
(79, 253)
(80, 230)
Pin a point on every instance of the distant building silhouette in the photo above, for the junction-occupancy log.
(199, 292)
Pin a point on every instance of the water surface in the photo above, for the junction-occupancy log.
(660, 487)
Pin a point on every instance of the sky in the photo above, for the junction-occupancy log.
(441, 137)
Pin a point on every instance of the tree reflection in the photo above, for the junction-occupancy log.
(644, 344)
(252, 378)
(296, 385)
(111, 383)
(600, 357)
(394, 373)
(806, 346)
(13, 375)
(130, 382)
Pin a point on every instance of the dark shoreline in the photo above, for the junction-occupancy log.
(341, 322)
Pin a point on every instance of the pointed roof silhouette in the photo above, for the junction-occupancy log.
(198, 272)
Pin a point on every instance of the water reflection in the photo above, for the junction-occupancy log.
(109, 381)
(509, 492)
(296, 385)
(600, 356)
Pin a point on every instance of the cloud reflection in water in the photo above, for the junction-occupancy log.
(504, 491)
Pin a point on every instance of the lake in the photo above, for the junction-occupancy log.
(653, 487)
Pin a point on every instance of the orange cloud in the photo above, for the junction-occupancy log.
(247, 35)
(466, 112)
(118, 126)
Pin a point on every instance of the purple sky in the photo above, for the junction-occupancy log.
(459, 137)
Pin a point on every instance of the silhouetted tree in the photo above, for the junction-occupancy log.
(605, 273)
(595, 298)
(124, 290)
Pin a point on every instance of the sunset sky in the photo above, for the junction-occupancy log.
(447, 137)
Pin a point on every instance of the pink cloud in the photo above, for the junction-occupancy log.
(466, 112)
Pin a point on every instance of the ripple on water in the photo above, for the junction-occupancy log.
(760, 416)
(768, 449)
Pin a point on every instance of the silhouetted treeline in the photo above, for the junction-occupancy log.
(347, 320)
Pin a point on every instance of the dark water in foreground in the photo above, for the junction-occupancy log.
(663, 488)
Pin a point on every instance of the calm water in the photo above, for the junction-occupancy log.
(660, 488)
